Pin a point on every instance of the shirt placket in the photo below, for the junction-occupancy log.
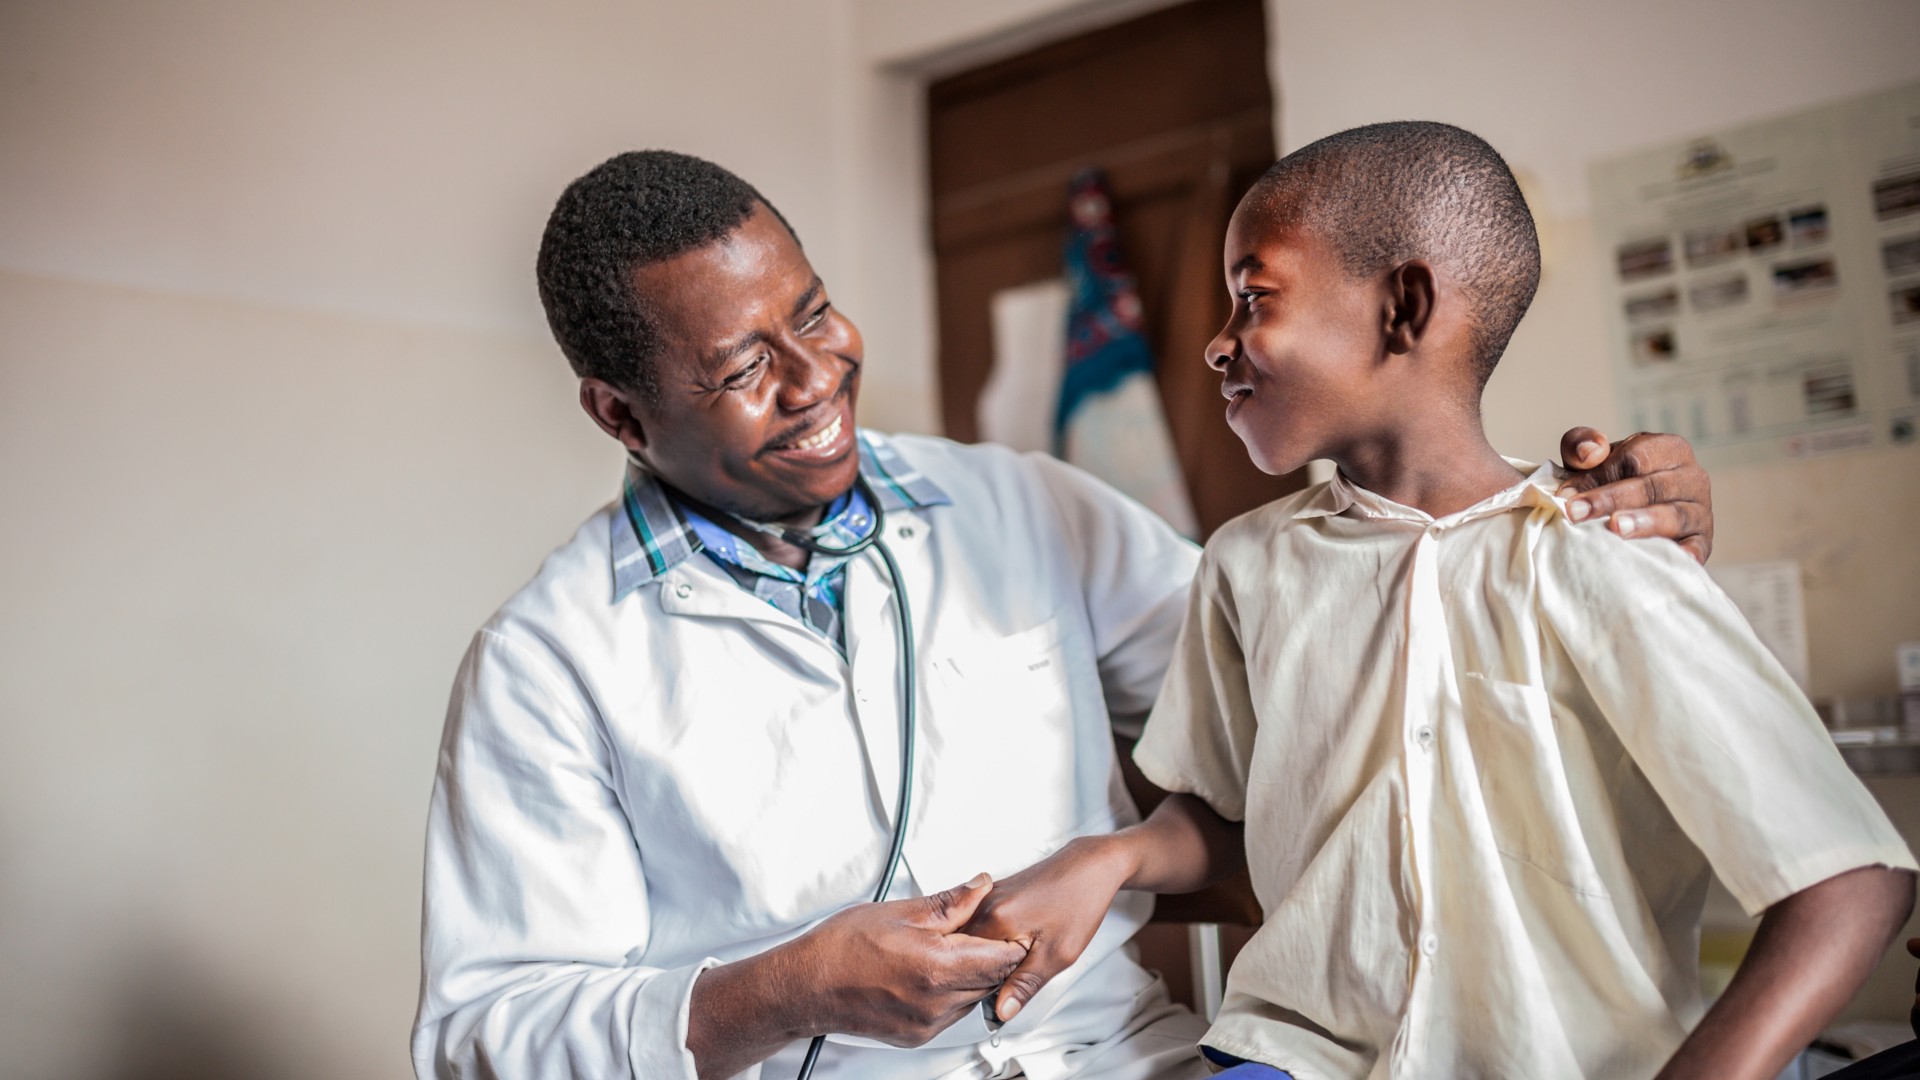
(1428, 656)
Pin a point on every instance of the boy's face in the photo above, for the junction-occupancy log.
(1302, 357)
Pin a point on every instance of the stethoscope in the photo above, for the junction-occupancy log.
(903, 638)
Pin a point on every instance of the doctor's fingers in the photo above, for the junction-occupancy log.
(949, 910)
(1042, 963)
(1661, 505)
(968, 964)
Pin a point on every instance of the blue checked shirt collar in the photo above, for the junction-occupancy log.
(653, 535)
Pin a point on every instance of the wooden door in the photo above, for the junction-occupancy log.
(1176, 107)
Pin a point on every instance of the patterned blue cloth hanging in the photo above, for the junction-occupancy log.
(1109, 420)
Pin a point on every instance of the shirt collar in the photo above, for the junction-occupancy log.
(848, 520)
(1341, 496)
(652, 535)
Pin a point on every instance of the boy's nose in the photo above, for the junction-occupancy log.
(1221, 350)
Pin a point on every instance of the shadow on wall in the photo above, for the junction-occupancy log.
(179, 1021)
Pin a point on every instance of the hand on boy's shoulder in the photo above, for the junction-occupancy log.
(1610, 577)
(1647, 485)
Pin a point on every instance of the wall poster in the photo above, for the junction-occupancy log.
(1763, 283)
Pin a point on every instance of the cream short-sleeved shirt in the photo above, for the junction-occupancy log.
(1486, 764)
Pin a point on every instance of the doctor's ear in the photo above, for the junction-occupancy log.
(1409, 308)
(615, 410)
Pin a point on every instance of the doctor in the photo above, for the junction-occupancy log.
(671, 762)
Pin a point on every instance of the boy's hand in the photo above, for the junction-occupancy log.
(1651, 485)
(1052, 908)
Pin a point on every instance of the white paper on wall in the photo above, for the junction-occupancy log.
(1768, 594)
(1763, 281)
(1029, 356)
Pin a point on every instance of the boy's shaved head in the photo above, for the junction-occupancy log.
(1383, 194)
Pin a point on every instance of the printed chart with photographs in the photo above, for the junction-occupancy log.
(1763, 283)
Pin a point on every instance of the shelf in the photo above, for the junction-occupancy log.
(1882, 751)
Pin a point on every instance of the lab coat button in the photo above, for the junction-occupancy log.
(1430, 944)
(1424, 737)
(683, 590)
(906, 532)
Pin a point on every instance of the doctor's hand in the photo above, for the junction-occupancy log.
(901, 972)
(1651, 485)
(1052, 908)
(898, 972)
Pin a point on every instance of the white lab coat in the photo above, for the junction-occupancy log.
(630, 792)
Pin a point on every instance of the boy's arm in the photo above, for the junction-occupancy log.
(1054, 907)
(1813, 951)
(1743, 766)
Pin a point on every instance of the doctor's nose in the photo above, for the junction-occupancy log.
(810, 377)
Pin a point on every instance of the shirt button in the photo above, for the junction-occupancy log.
(1430, 944)
(1424, 737)
(906, 532)
(861, 694)
(683, 590)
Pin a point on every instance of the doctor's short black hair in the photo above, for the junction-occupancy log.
(640, 207)
(1386, 193)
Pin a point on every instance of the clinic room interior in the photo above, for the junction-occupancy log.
(282, 421)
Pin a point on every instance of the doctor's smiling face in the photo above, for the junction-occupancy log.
(756, 376)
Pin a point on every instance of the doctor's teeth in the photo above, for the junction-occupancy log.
(825, 436)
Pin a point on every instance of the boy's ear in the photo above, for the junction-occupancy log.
(1410, 296)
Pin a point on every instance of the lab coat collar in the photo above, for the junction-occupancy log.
(652, 535)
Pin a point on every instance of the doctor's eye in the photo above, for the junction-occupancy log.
(739, 379)
(814, 320)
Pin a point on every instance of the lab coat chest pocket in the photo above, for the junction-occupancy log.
(1523, 768)
(1004, 727)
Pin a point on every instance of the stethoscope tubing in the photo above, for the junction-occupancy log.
(910, 695)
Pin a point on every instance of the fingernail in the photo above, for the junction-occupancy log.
(1563, 490)
(1010, 1010)
(979, 881)
(1626, 523)
(1578, 509)
(1585, 450)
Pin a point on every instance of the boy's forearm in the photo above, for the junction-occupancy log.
(1811, 954)
(1182, 847)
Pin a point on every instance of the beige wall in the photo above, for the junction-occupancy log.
(245, 548)
(279, 426)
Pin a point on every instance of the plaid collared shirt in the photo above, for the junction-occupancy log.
(657, 534)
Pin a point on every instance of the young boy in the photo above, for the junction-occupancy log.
(1482, 781)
